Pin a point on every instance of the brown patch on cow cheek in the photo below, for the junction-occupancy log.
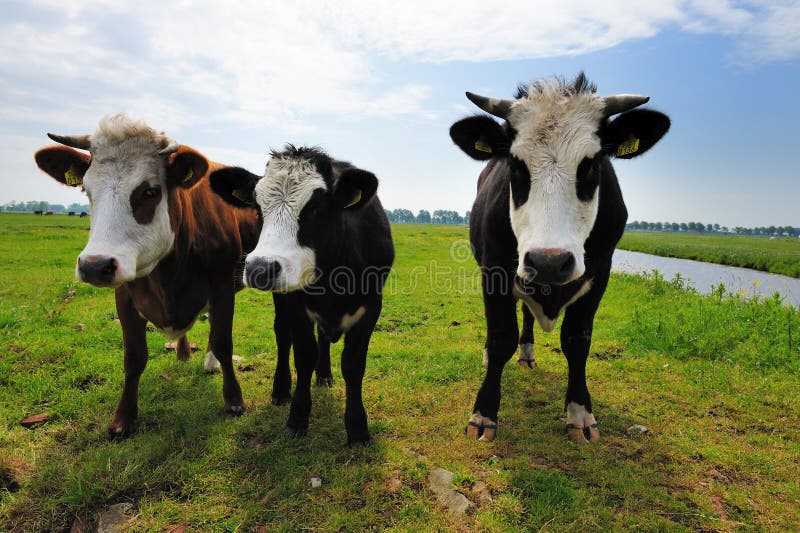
(144, 209)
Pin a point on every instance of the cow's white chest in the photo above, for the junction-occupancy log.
(347, 321)
(350, 320)
(172, 333)
(546, 323)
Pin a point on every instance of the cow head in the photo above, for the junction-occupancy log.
(302, 196)
(555, 139)
(128, 175)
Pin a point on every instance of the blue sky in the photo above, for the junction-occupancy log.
(379, 83)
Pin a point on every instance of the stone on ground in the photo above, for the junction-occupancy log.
(441, 483)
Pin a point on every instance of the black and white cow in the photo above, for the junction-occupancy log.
(547, 217)
(325, 244)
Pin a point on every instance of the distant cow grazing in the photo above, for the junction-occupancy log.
(546, 219)
(167, 244)
(38, 212)
(84, 214)
(50, 213)
(71, 214)
(326, 242)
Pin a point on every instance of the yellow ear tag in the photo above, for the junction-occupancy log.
(628, 147)
(189, 175)
(482, 146)
(72, 177)
(355, 200)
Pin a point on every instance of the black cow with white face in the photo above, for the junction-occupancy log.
(326, 248)
(547, 217)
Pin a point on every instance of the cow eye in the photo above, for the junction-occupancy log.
(151, 192)
(520, 182)
(588, 178)
(316, 201)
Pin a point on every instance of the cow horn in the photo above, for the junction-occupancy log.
(619, 103)
(494, 106)
(172, 147)
(83, 142)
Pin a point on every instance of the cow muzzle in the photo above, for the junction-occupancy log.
(98, 270)
(262, 274)
(549, 266)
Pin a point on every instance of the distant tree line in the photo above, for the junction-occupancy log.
(699, 227)
(29, 207)
(452, 218)
(440, 216)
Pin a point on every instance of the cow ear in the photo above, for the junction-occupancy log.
(480, 137)
(235, 185)
(633, 133)
(63, 164)
(186, 167)
(354, 188)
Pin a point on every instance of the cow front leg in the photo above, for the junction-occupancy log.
(501, 343)
(135, 350)
(221, 340)
(576, 337)
(323, 370)
(282, 381)
(305, 359)
(526, 357)
(354, 363)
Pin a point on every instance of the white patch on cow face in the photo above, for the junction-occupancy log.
(281, 194)
(554, 134)
(124, 156)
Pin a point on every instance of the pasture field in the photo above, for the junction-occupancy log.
(779, 256)
(714, 378)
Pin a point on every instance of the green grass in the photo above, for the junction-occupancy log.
(779, 256)
(715, 379)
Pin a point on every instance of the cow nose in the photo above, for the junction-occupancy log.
(262, 273)
(550, 265)
(97, 269)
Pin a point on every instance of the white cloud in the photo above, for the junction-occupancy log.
(285, 63)
(476, 30)
(717, 16)
(764, 30)
(260, 66)
(775, 35)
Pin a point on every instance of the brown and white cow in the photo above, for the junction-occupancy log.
(159, 236)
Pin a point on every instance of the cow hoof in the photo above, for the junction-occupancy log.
(361, 439)
(325, 381)
(234, 410)
(526, 358)
(581, 424)
(281, 400)
(211, 364)
(575, 434)
(583, 434)
(295, 433)
(119, 431)
(481, 428)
